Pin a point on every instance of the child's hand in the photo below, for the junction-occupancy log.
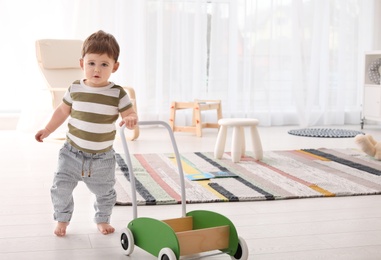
(42, 134)
(129, 122)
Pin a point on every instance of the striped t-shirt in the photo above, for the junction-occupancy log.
(93, 115)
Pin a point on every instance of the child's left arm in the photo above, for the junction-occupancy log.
(129, 118)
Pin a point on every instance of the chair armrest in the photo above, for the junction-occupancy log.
(131, 92)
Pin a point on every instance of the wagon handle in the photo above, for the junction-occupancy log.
(131, 171)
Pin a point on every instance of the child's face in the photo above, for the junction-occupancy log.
(98, 69)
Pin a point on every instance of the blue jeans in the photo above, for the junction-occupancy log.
(97, 171)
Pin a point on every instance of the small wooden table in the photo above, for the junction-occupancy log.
(197, 106)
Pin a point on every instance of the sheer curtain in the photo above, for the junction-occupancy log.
(174, 57)
(290, 62)
(285, 62)
(282, 61)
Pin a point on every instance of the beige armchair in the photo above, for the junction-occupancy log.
(59, 63)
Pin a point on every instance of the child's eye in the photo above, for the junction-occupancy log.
(104, 65)
(91, 63)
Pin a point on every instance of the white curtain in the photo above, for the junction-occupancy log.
(290, 62)
(285, 62)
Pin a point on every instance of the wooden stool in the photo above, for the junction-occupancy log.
(197, 106)
(238, 138)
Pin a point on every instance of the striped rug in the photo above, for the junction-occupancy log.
(290, 174)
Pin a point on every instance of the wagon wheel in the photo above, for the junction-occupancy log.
(166, 254)
(127, 241)
(242, 250)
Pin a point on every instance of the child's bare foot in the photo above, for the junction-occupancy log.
(61, 229)
(105, 228)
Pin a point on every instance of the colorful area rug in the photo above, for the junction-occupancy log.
(280, 175)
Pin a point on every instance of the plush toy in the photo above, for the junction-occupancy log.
(368, 145)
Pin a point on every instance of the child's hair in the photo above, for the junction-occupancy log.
(101, 42)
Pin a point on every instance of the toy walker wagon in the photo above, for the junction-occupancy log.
(195, 232)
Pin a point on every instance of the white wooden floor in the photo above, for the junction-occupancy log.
(326, 228)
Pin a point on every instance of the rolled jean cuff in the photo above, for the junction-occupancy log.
(104, 219)
(62, 217)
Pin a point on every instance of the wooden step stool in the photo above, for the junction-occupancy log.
(197, 106)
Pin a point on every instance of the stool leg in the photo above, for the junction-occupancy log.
(243, 141)
(219, 111)
(256, 143)
(220, 143)
(172, 116)
(236, 144)
(197, 119)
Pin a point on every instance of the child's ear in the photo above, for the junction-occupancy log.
(116, 66)
(81, 63)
